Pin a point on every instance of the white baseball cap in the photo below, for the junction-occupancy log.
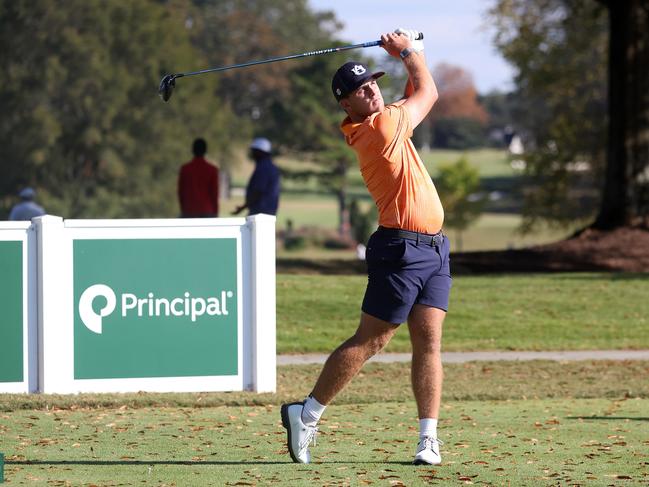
(262, 144)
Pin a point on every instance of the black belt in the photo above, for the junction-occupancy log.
(424, 238)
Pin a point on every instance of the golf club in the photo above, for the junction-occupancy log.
(168, 83)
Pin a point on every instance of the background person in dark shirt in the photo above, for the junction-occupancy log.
(262, 192)
(198, 185)
(27, 208)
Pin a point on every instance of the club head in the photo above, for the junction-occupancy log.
(167, 86)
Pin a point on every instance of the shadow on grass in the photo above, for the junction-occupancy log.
(142, 462)
(611, 275)
(610, 418)
(186, 462)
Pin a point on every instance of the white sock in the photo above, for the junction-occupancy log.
(312, 411)
(428, 427)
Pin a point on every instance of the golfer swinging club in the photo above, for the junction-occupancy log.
(407, 257)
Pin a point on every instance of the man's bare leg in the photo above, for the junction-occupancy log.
(344, 363)
(300, 418)
(425, 326)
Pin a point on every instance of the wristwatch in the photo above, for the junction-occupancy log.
(406, 52)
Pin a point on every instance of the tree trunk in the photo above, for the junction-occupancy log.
(625, 197)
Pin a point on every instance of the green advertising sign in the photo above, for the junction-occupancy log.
(155, 308)
(11, 303)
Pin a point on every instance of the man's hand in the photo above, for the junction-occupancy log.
(417, 45)
(421, 92)
(394, 43)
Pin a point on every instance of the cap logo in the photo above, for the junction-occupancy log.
(338, 92)
(358, 69)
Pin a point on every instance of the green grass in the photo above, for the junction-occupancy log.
(521, 423)
(544, 442)
(490, 162)
(495, 312)
(472, 381)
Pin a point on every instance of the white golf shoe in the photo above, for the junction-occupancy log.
(428, 452)
(299, 435)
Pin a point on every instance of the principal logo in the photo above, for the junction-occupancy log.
(89, 316)
(358, 69)
(150, 305)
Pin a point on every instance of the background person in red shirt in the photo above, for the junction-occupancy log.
(198, 185)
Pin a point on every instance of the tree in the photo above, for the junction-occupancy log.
(458, 184)
(289, 102)
(560, 48)
(458, 119)
(625, 198)
(458, 96)
(260, 30)
(500, 108)
(458, 133)
(81, 119)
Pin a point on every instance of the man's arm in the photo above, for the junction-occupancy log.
(421, 92)
(253, 194)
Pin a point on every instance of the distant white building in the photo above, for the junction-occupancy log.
(516, 148)
(516, 145)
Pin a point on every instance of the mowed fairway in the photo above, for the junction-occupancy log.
(580, 311)
(502, 423)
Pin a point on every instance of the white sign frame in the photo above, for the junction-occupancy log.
(23, 231)
(255, 238)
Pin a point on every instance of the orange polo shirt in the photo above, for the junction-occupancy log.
(393, 172)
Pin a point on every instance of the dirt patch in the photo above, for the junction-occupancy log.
(621, 250)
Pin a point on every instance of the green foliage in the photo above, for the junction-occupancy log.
(559, 48)
(82, 121)
(458, 133)
(261, 30)
(362, 222)
(501, 108)
(458, 184)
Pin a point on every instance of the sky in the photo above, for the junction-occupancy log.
(455, 32)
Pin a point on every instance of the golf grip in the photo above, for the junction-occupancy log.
(285, 58)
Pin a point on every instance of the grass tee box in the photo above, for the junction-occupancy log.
(565, 441)
(157, 305)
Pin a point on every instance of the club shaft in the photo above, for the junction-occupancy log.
(281, 58)
(285, 58)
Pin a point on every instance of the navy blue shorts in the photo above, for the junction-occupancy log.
(403, 272)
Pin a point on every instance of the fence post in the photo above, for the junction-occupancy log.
(54, 276)
(263, 300)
